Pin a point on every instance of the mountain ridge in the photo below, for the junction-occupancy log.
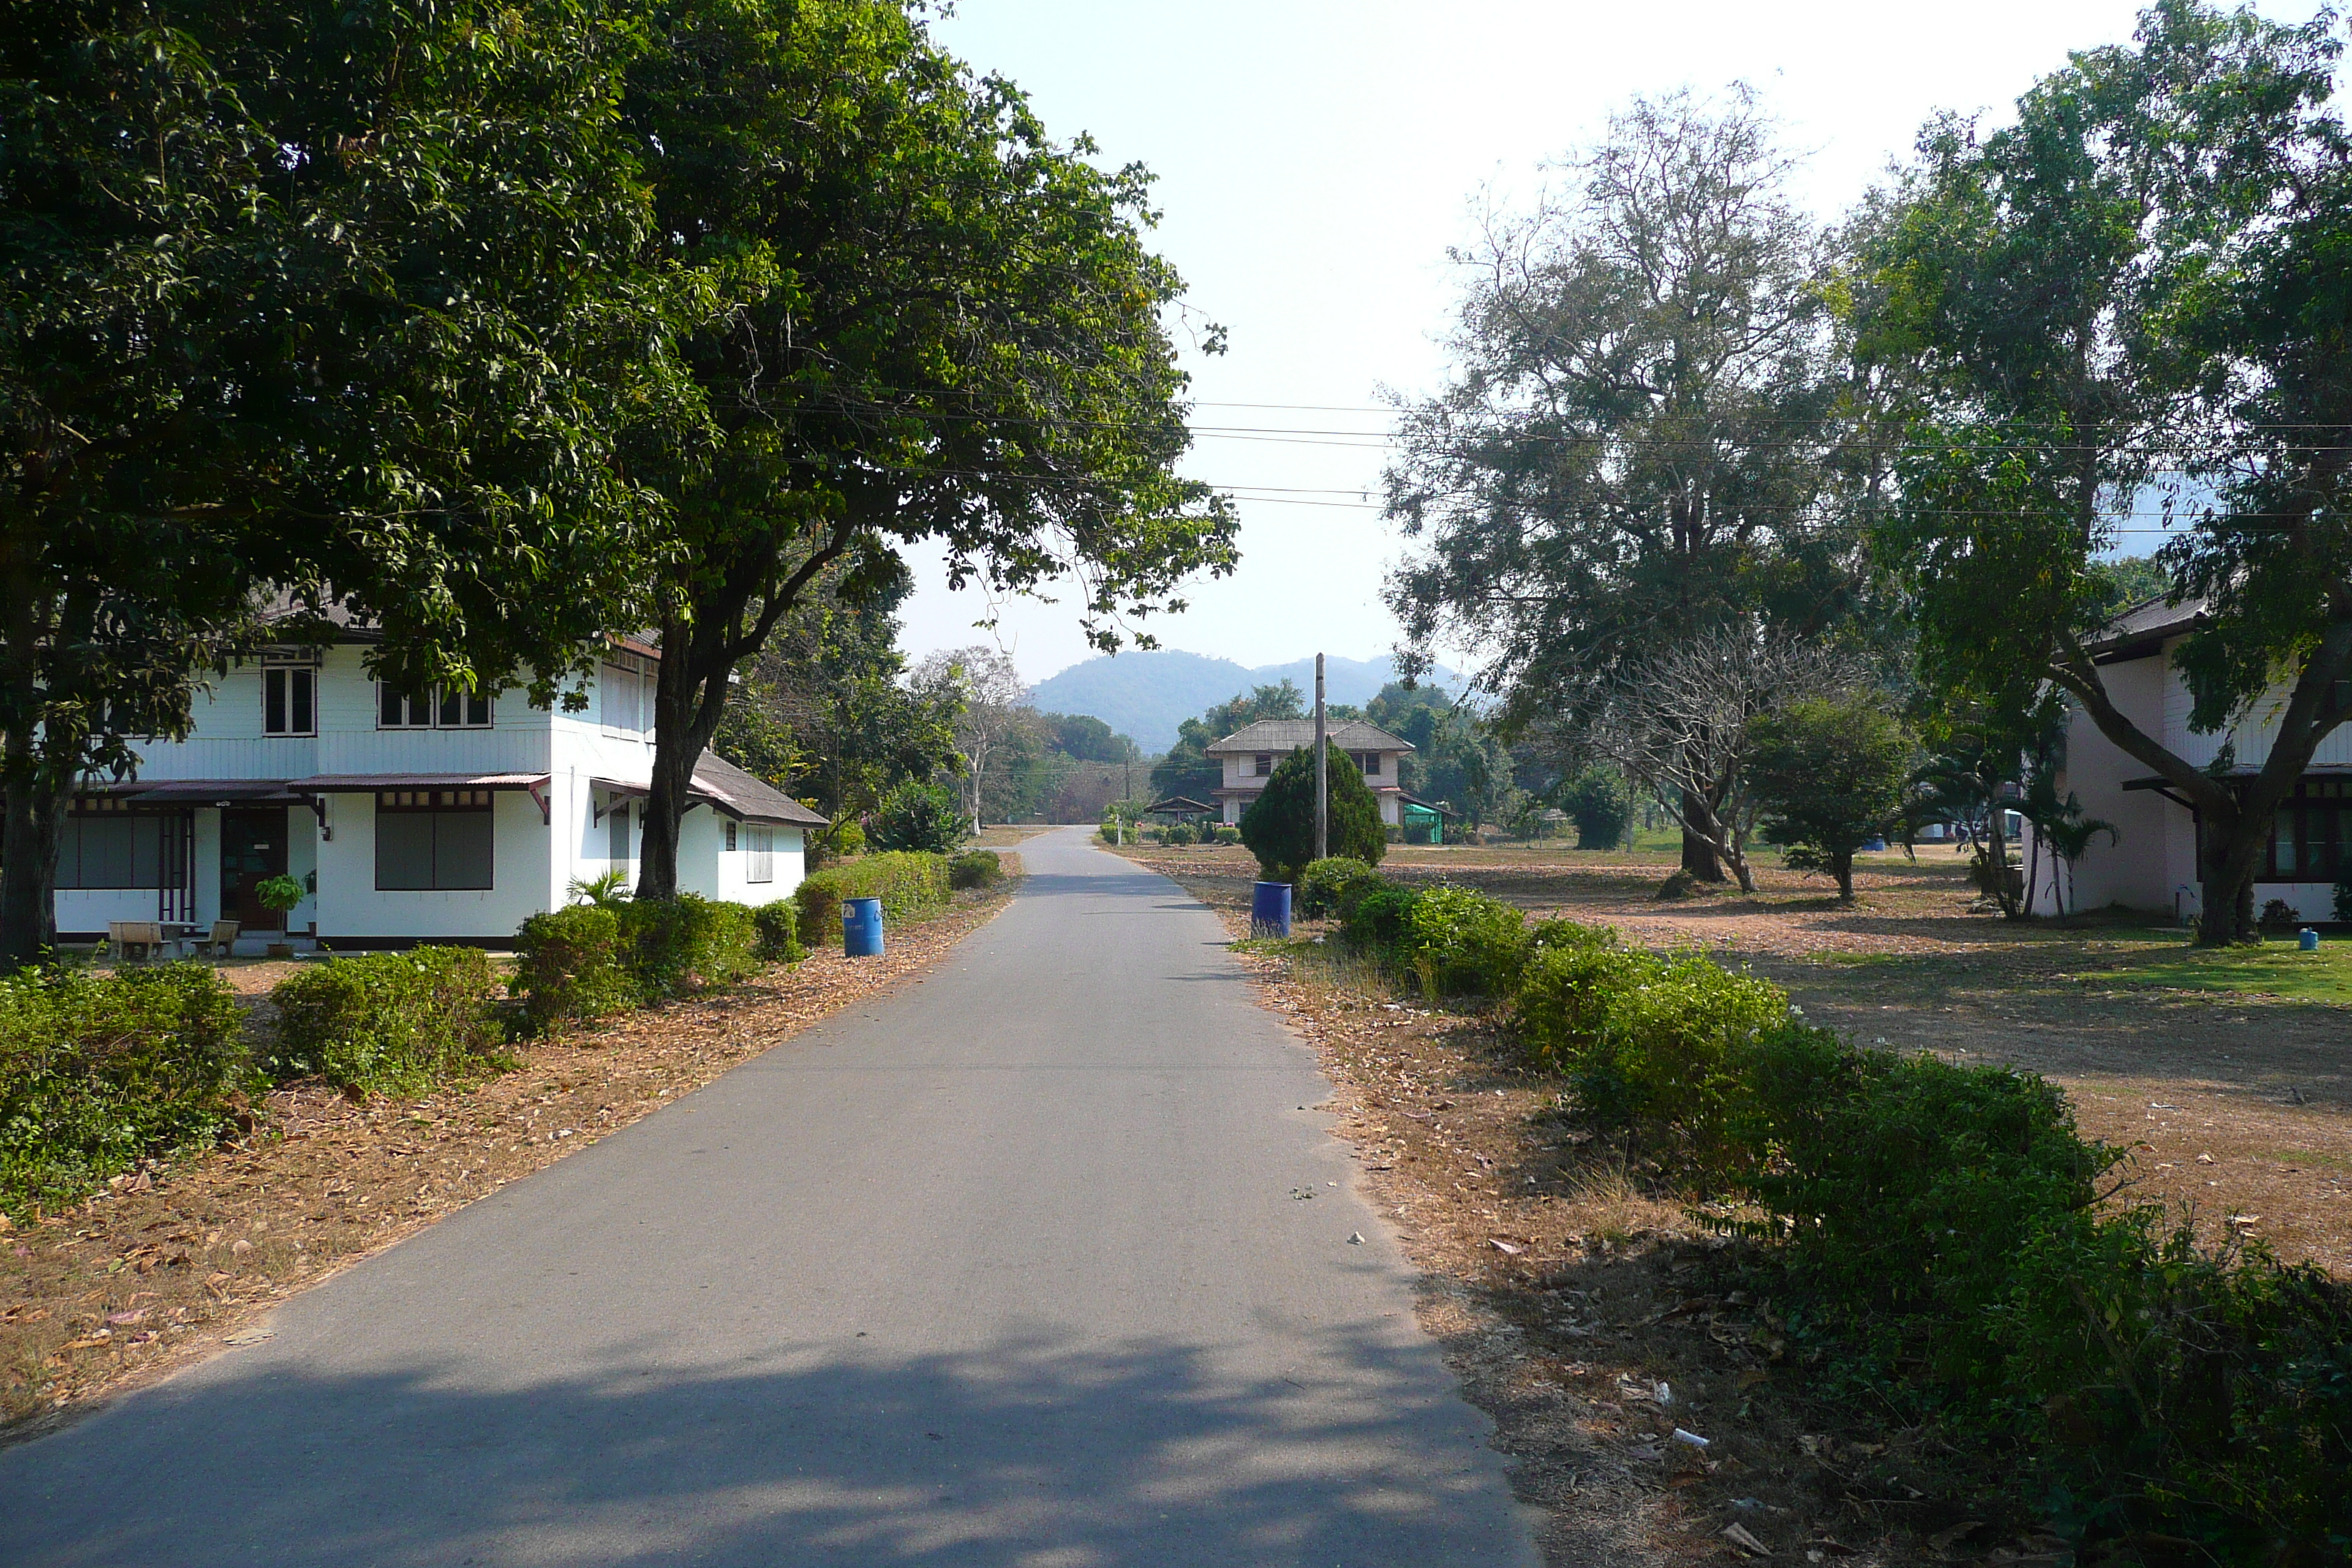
(1149, 692)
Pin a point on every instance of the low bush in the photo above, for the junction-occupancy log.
(1458, 942)
(1379, 923)
(571, 966)
(975, 869)
(908, 883)
(394, 1024)
(1331, 886)
(687, 943)
(921, 819)
(778, 926)
(1177, 835)
(1228, 834)
(97, 1071)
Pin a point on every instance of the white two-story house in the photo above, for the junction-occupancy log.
(1251, 753)
(2152, 862)
(407, 817)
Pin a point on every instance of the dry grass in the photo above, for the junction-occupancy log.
(154, 1272)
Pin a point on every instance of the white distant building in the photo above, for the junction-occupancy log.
(409, 816)
(1251, 753)
(2152, 864)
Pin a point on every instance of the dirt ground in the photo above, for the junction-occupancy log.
(1593, 1321)
(170, 1261)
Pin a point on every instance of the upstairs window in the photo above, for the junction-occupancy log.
(1263, 765)
(429, 840)
(759, 864)
(624, 695)
(439, 709)
(289, 699)
(1370, 761)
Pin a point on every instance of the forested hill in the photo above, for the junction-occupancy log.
(1148, 694)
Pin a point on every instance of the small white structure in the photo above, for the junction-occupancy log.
(1249, 755)
(2152, 864)
(440, 816)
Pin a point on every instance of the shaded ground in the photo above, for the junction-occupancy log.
(155, 1272)
(2232, 1074)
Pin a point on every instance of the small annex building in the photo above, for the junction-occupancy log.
(2151, 864)
(407, 817)
(1251, 753)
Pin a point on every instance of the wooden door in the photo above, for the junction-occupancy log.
(252, 850)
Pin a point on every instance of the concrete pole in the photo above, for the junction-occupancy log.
(1322, 772)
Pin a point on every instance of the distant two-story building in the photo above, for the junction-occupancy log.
(2152, 863)
(1250, 754)
(407, 817)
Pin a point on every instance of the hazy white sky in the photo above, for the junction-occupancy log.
(1315, 160)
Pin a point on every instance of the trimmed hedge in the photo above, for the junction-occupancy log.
(1332, 886)
(779, 928)
(975, 869)
(687, 943)
(908, 882)
(387, 1023)
(97, 1071)
(1458, 942)
(570, 967)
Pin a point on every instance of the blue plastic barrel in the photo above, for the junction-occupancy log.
(1270, 909)
(861, 928)
(2308, 939)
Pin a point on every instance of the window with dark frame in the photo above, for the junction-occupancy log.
(2310, 837)
(1370, 761)
(617, 831)
(436, 709)
(730, 837)
(103, 849)
(434, 840)
(1262, 763)
(289, 700)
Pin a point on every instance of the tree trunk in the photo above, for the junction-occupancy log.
(689, 698)
(2225, 877)
(1841, 867)
(1699, 856)
(28, 869)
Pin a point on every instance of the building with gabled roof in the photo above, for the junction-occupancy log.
(1251, 753)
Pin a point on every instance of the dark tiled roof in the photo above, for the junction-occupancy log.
(1298, 734)
(738, 794)
(2141, 630)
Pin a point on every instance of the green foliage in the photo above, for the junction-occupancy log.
(1597, 801)
(907, 884)
(1279, 826)
(97, 1071)
(278, 894)
(1188, 769)
(1648, 1040)
(1228, 834)
(1458, 942)
(778, 926)
(1829, 776)
(919, 817)
(1332, 885)
(975, 869)
(608, 890)
(687, 943)
(1379, 923)
(571, 966)
(1086, 738)
(396, 1024)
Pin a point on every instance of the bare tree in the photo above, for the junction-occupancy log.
(995, 708)
(1682, 720)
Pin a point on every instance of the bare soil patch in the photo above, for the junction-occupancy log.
(156, 1272)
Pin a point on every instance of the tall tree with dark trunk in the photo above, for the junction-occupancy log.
(2147, 281)
(939, 325)
(1637, 444)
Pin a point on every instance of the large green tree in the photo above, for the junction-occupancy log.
(2146, 281)
(1188, 769)
(1638, 445)
(1279, 826)
(329, 305)
(936, 323)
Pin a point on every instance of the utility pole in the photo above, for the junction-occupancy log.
(1322, 772)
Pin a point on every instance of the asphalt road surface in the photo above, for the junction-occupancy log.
(1012, 1266)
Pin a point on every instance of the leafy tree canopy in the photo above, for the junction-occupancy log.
(1279, 826)
(1830, 776)
(1188, 769)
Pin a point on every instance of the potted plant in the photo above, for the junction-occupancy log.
(278, 895)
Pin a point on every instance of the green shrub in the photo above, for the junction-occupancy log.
(778, 927)
(1380, 922)
(1646, 1040)
(975, 869)
(97, 1071)
(1463, 943)
(1230, 833)
(687, 943)
(907, 884)
(571, 966)
(387, 1023)
(1279, 826)
(1331, 886)
(920, 818)
(1177, 836)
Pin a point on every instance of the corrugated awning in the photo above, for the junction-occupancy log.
(368, 784)
(197, 791)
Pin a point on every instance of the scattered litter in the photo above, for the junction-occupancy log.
(2154, 1106)
(1693, 1438)
(2245, 1219)
(1665, 1394)
(1300, 1195)
(249, 1336)
(1746, 1505)
(1505, 1247)
(2204, 1159)
(125, 1319)
(1355, 1239)
(1738, 1535)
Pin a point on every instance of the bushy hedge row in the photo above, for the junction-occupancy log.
(1939, 1236)
(975, 869)
(592, 961)
(98, 1070)
(906, 881)
(387, 1023)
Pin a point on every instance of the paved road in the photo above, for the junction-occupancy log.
(1003, 1270)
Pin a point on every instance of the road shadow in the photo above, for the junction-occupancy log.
(1032, 1450)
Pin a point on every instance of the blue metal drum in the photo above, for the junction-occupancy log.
(861, 928)
(1270, 909)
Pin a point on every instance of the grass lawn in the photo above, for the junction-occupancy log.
(2274, 968)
